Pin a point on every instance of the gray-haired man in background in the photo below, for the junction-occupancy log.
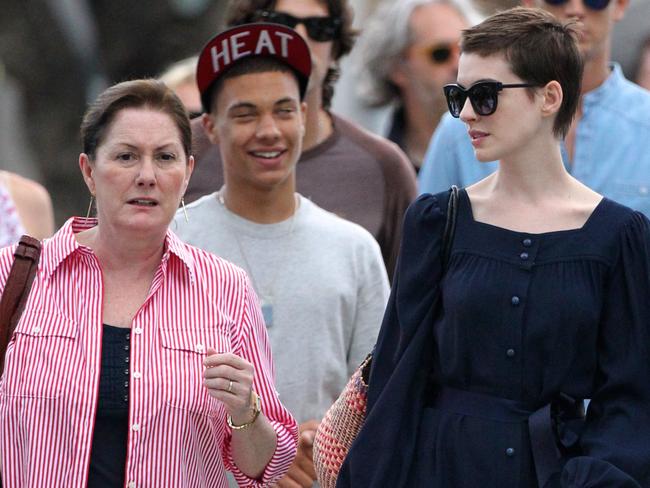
(410, 50)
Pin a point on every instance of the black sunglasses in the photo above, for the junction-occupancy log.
(483, 96)
(321, 29)
(440, 53)
(592, 4)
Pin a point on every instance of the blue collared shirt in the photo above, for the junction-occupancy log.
(612, 150)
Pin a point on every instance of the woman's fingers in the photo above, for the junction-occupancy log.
(214, 359)
(229, 379)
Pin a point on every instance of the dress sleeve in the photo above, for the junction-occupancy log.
(616, 440)
(402, 357)
(252, 344)
(414, 289)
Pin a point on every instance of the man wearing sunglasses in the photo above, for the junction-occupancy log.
(409, 50)
(607, 145)
(343, 168)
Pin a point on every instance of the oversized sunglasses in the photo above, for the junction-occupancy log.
(592, 4)
(483, 96)
(321, 29)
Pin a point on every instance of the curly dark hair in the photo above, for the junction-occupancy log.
(243, 11)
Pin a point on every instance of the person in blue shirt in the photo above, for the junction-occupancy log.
(483, 359)
(606, 147)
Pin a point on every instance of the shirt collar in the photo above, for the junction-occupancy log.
(608, 88)
(63, 244)
(173, 245)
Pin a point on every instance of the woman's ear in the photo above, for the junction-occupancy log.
(87, 172)
(552, 98)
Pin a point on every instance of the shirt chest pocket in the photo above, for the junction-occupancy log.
(183, 353)
(40, 355)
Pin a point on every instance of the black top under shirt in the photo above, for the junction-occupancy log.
(108, 455)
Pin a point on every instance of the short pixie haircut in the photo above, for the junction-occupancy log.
(538, 48)
(243, 12)
(149, 93)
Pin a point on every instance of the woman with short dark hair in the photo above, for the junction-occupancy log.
(482, 365)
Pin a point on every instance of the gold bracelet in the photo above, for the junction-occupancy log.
(256, 412)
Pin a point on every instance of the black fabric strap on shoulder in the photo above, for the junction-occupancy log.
(450, 226)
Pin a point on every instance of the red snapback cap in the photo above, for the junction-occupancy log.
(258, 39)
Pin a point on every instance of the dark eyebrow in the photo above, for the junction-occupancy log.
(241, 105)
(286, 100)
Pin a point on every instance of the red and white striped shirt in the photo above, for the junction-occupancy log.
(178, 434)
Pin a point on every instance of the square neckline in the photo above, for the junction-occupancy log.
(470, 214)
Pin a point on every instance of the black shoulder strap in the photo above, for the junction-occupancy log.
(450, 226)
(19, 283)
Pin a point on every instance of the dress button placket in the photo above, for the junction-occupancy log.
(525, 250)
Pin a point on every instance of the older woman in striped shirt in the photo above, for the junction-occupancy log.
(139, 360)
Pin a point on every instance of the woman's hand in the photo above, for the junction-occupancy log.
(229, 379)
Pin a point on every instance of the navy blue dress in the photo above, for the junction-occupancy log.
(520, 317)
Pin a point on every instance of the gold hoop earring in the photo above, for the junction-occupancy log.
(90, 205)
(187, 220)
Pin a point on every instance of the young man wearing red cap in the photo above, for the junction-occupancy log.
(320, 279)
(343, 168)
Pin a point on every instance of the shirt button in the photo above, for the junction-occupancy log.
(137, 375)
(36, 330)
(135, 427)
(510, 353)
(137, 330)
(199, 347)
(643, 190)
(527, 242)
(524, 256)
(510, 452)
(131, 484)
(515, 300)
